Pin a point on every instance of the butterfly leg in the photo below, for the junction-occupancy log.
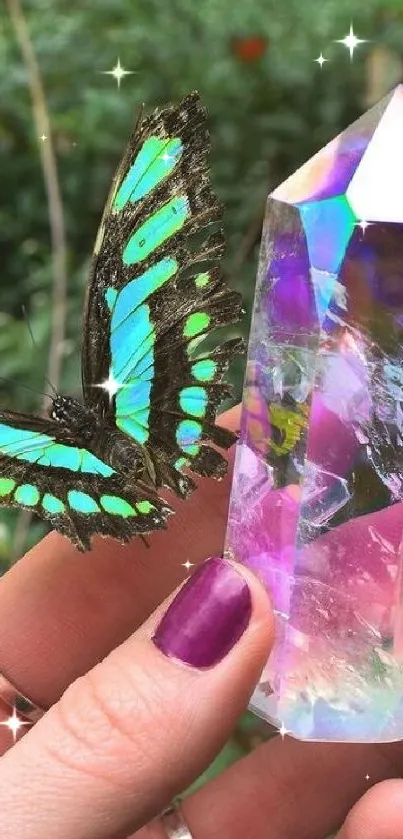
(167, 476)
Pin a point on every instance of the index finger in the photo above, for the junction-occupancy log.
(62, 611)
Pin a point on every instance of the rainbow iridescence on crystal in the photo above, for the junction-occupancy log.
(316, 507)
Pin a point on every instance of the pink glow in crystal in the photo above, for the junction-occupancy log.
(316, 505)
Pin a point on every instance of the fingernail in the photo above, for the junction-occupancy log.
(207, 617)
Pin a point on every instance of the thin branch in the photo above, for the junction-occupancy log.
(56, 218)
(248, 242)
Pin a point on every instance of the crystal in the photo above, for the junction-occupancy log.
(316, 503)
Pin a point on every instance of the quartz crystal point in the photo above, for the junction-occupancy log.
(316, 507)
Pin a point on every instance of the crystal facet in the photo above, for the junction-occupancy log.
(316, 506)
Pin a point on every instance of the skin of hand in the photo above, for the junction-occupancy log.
(141, 702)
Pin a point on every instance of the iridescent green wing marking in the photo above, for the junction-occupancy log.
(42, 470)
(155, 294)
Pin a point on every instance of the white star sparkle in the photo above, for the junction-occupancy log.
(14, 723)
(367, 777)
(321, 60)
(187, 564)
(118, 72)
(351, 41)
(282, 731)
(111, 385)
(363, 224)
(43, 137)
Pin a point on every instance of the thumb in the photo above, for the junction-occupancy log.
(138, 728)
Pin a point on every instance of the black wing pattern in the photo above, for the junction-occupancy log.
(154, 293)
(43, 469)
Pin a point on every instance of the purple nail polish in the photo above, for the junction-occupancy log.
(207, 617)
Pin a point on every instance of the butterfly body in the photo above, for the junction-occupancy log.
(150, 395)
(75, 416)
(123, 455)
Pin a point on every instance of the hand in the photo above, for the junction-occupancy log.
(140, 726)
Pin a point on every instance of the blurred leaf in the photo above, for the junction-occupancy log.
(229, 754)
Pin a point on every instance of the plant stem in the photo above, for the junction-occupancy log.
(56, 221)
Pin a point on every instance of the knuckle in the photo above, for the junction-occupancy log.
(82, 739)
(94, 734)
(108, 719)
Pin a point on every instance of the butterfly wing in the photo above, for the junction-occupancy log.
(43, 470)
(154, 294)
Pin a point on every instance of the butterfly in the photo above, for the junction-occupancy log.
(150, 394)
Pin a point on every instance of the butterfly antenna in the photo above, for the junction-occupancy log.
(26, 387)
(48, 382)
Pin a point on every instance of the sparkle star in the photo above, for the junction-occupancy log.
(118, 72)
(363, 224)
(187, 564)
(14, 723)
(43, 137)
(367, 777)
(321, 60)
(351, 41)
(111, 385)
(282, 731)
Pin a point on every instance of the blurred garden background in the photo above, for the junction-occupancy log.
(271, 106)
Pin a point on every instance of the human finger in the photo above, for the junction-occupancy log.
(133, 731)
(62, 611)
(377, 815)
(283, 789)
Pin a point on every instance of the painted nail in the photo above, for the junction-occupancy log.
(207, 617)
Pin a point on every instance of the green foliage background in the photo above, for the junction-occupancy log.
(266, 118)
